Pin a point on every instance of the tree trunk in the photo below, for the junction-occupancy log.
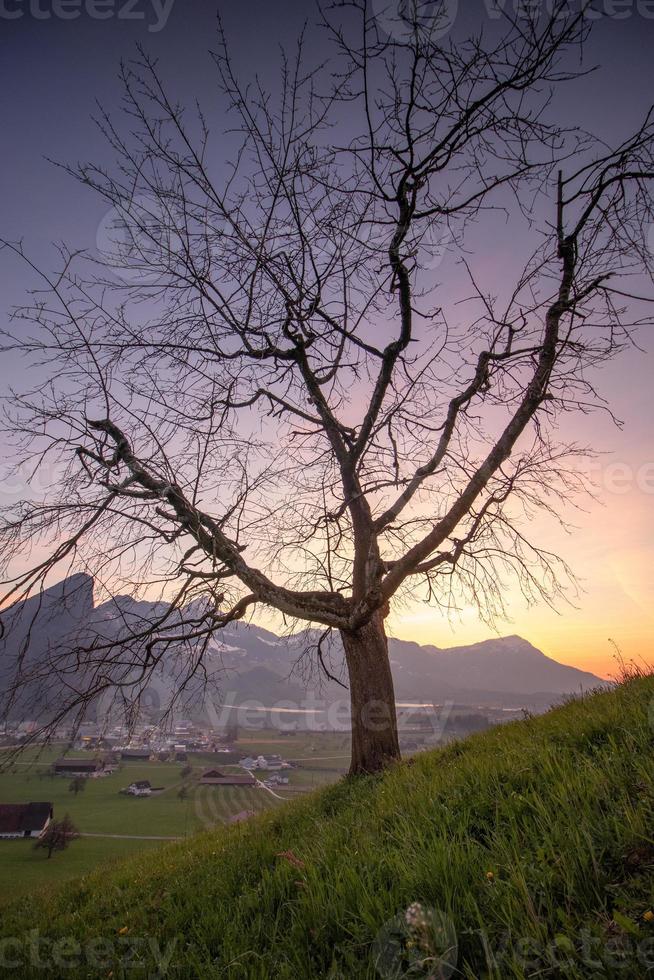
(372, 698)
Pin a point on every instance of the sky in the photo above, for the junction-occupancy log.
(57, 58)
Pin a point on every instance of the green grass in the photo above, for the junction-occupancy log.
(101, 809)
(533, 842)
(24, 870)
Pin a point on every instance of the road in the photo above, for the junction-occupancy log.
(262, 785)
(131, 837)
(317, 758)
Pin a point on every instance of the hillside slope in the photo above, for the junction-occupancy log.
(533, 843)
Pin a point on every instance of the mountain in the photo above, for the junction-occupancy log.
(507, 671)
(505, 664)
(32, 632)
(247, 662)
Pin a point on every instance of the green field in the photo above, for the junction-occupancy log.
(529, 848)
(24, 870)
(102, 809)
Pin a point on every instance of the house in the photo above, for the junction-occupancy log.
(241, 817)
(276, 780)
(261, 762)
(79, 767)
(111, 741)
(24, 819)
(142, 787)
(136, 755)
(214, 777)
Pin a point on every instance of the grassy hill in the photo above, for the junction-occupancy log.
(529, 851)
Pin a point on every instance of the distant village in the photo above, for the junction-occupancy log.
(420, 727)
(146, 741)
(93, 751)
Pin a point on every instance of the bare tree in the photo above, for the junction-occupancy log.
(57, 835)
(77, 785)
(261, 394)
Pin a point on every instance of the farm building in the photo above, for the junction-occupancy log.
(79, 767)
(24, 819)
(141, 755)
(276, 780)
(142, 787)
(261, 762)
(214, 777)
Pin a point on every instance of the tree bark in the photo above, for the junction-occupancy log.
(372, 697)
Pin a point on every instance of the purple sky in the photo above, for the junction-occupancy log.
(53, 69)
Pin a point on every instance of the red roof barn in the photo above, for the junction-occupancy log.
(24, 819)
(214, 777)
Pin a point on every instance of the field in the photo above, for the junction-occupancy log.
(126, 825)
(529, 850)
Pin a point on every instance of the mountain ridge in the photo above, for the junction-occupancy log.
(508, 670)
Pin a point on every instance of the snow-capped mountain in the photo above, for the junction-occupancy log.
(246, 661)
